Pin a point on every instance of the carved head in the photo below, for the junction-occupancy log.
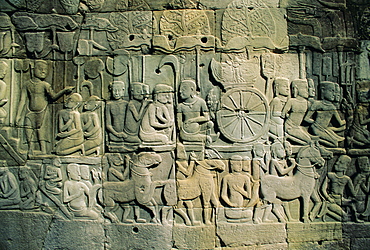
(162, 93)
(187, 89)
(300, 88)
(3, 69)
(342, 163)
(92, 103)
(311, 88)
(281, 86)
(363, 91)
(73, 172)
(258, 150)
(212, 100)
(137, 91)
(73, 101)
(86, 89)
(3, 167)
(95, 4)
(41, 69)
(337, 92)
(328, 91)
(24, 172)
(117, 89)
(236, 163)
(148, 159)
(288, 148)
(277, 150)
(84, 172)
(363, 163)
(57, 162)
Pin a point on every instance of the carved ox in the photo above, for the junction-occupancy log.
(300, 185)
(139, 188)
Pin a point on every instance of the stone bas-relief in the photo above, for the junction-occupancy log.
(185, 120)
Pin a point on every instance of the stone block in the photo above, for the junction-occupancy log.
(341, 244)
(360, 243)
(194, 237)
(138, 236)
(75, 235)
(239, 234)
(356, 230)
(21, 230)
(305, 232)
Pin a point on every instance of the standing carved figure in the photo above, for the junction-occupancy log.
(35, 97)
(282, 94)
(3, 101)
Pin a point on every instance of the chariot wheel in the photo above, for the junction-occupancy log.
(243, 115)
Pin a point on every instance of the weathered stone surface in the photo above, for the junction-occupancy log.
(298, 232)
(20, 230)
(354, 230)
(138, 236)
(75, 235)
(250, 234)
(340, 244)
(194, 237)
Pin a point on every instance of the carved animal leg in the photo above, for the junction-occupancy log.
(317, 203)
(126, 212)
(207, 213)
(166, 215)
(305, 201)
(266, 214)
(137, 215)
(277, 208)
(190, 212)
(155, 211)
(287, 211)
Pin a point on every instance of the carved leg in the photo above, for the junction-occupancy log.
(126, 212)
(277, 208)
(190, 212)
(207, 213)
(137, 215)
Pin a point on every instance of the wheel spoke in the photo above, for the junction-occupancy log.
(243, 107)
(242, 130)
(230, 122)
(227, 107)
(236, 124)
(228, 115)
(257, 113)
(255, 106)
(241, 99)
(249, 126)
(234, 102)
(256, 121)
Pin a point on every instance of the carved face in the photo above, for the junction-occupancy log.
(137, 92)
(311, 89)
(328, 92)
(95, 4)
(364, 165)
(73, 172)
(283, 88)
(118, 91)
(2, 71)
(342, 163)
(71, 103)
(279, 152)
(163, 97)
(84, 172)
(90, 105)
(363, 95)
(236, 166)
(41, 70)
(303, 90)
(185, 91)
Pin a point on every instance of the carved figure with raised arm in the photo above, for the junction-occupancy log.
(34, 105)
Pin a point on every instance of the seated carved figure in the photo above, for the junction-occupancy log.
(282, 93)
(77, 195)
(236, 188)
(333, 190)
(70, 137)
(158, 120)
(192, 115)
(294, 112)
(91, 126)
(325, 111)
(9, 189)
(136, 108)
(359, 133)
